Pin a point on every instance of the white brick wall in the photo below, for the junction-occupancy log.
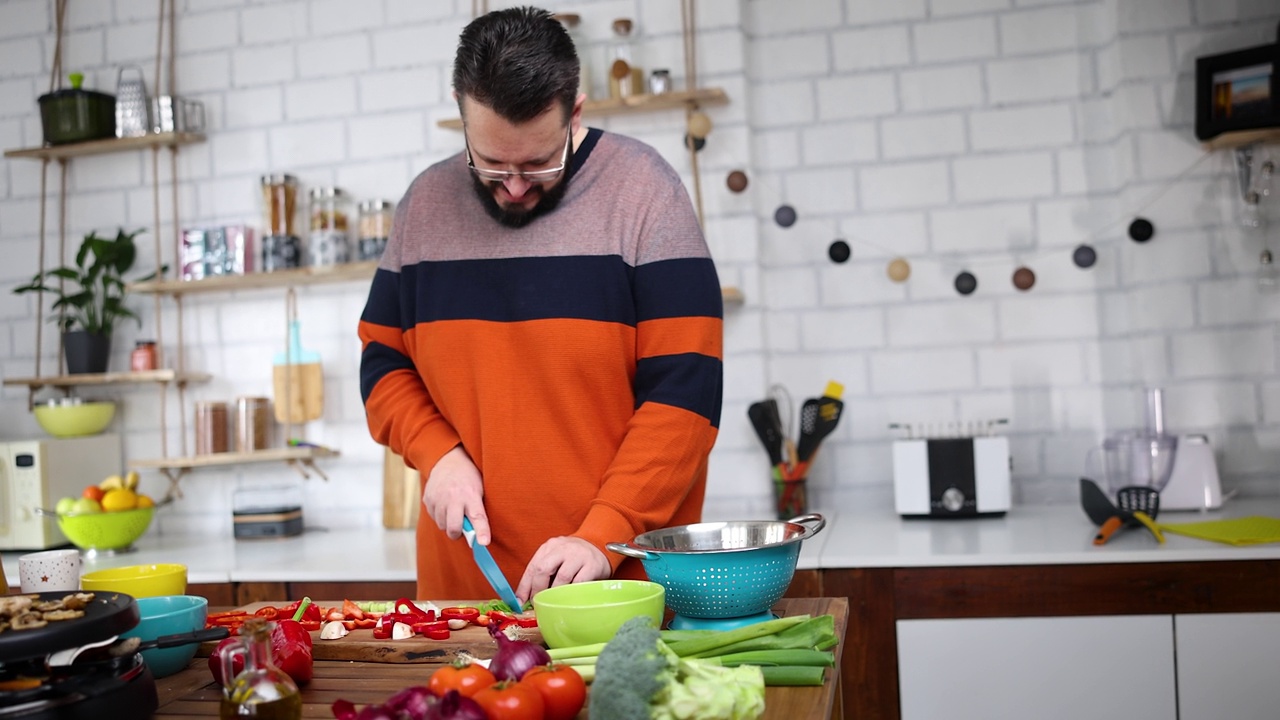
(977, 135)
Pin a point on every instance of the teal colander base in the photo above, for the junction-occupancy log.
(724, 584)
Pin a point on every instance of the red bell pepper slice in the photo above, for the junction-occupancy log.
(351, 610)
(436, 633)
(270, 612)
(426, 628)
(405, 606)
(460, 612)
(382, 630)
(309, 625)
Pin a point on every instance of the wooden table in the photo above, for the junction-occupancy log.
(191, 693)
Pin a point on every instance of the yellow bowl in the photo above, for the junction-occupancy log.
(140, 581)
(75, 420)
(592, 612)
(106, 530)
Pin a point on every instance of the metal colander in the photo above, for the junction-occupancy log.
(723, 569)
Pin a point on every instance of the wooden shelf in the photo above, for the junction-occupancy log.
(635, 104)
(254, 281)
(1236, 139)
(119, 378)
(289, 454)
(106, 146)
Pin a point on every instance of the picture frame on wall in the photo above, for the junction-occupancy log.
(1238, 90)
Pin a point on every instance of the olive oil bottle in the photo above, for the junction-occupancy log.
(261, 690)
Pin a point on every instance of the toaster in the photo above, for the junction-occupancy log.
(951, 477)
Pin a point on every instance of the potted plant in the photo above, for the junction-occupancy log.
(90, 298)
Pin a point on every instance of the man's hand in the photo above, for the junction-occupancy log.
(560, 561)
(455, 488)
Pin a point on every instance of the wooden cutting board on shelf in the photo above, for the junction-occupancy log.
(360, 646)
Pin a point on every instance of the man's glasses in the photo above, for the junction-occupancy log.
(534, 176)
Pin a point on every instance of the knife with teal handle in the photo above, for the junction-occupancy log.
(488, 566)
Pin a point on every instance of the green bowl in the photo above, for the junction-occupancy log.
(106, 530)
(592, 612)
(66, 420)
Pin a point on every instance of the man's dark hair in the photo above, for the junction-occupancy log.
(516, 62)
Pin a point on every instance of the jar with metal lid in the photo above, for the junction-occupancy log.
(330, 241)
(253, 424)
(659, 82)
(281, 247)
(373, 229)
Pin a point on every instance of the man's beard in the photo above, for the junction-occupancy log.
(515, 216)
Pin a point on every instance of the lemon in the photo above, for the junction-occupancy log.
(145, 501)
(121, 499)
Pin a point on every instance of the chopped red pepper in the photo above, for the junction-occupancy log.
(269, 612)
(382, 630)
(405, 606)
(309, 625)
(437, 633)
(426, 628)
(312, 611)
(352, 610)
(461, 612)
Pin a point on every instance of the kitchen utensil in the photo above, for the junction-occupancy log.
(297, 378)
(72, 417)
(71, 115)
(818, 417)
(591, 612)
(133, 114)
(488, 566)
(171, 114)
(722, 570)
(175, 640)
(1108, 517)
(764, 418)
(1133, 459)
(106, 532)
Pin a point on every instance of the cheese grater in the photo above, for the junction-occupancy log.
(132, 109)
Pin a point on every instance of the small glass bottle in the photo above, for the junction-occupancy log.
(261, 690)
(373, 229)
(143, 357)
(329, 243)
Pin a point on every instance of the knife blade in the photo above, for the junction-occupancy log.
(488, 566)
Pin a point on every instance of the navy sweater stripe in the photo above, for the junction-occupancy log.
(689, 381)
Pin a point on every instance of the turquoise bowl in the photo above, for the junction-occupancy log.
(169, 615)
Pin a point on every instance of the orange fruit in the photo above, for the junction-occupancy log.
(121, 499)
(93, 492)
(145, 501)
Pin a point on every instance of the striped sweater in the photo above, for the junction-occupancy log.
(576, 359)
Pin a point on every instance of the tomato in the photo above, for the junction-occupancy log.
(509, 700)
(466, 677)
(562, 689)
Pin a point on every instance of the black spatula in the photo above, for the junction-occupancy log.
(764, 418)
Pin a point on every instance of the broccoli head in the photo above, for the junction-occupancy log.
(638, 677)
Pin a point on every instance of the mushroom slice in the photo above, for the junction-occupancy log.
(28, 621)
(56, 615)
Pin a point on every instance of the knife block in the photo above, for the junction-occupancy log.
(401, 492)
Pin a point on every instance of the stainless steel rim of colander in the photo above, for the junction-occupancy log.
(675, 540)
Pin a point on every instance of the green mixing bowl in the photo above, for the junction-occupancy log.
(67, 419)
(592, 612)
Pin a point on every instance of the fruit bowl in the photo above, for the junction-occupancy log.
(106, 530)
(74, 418)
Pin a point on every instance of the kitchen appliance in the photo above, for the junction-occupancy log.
(1194, 483)
(960, 470)
(73, 114)
(37, 473)
(97, 683)
(722, 575)
(267, 512)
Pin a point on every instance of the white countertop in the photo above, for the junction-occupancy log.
(1028, 535)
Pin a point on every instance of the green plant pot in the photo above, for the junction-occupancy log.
(86, 352)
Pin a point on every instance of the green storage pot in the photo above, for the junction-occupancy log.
(75, 115)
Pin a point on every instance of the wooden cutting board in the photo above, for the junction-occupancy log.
(359, 645)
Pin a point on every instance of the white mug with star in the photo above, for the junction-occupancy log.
(50, 571)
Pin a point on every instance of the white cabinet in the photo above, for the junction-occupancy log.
(1227, 666)
(1060, 668)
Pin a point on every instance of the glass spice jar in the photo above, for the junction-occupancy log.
(281, 248)
(374, 228)
(329, 242)
(143, 357)
(253, 425)
(211, 428)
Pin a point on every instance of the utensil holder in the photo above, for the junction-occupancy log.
(791, 497)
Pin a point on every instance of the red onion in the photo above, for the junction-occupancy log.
(453, 706)
(414, 702)
(514, 657)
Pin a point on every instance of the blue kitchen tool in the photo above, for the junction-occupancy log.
(720, 571)
(488, 566)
